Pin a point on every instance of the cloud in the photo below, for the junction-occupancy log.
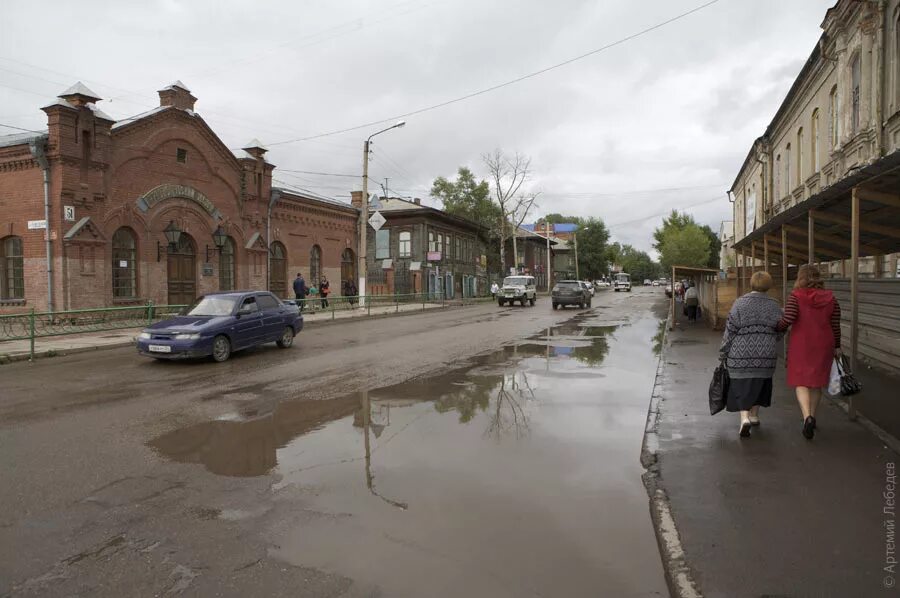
(676, 108)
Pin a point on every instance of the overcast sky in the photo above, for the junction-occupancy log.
(676, 108)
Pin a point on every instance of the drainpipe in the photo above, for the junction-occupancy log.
(274, 196)
(39, 152)
(880, 60)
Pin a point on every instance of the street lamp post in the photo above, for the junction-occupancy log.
(364, 214)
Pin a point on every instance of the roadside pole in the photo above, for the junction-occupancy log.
(575, 236)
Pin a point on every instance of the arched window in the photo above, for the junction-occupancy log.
(315, 265)
(833, 117)
(814, 140)
(124, 264)
(778, 193)
(348, 266)
(405, 244)
(799, 156)
(278, 269)
(226, 266)
(855, 82)
(12, 269)
(787, 169)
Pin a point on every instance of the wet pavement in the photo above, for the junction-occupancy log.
(508, 472)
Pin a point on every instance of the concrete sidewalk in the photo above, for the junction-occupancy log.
(773, 514)
(51, 346)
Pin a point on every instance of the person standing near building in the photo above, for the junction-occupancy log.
(300, 290)
(750, 350)
(324, 289)
(495, 288)
(691, 302)
(814, 317)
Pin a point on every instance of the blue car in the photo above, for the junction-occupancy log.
(219, 324)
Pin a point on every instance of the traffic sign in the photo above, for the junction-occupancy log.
(377, 221)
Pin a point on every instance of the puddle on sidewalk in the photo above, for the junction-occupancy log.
(514, 473)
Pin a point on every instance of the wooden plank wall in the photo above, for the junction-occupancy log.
(879, 320)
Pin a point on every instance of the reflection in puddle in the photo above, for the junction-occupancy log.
(515, 473)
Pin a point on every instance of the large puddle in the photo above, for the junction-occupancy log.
(515, 473)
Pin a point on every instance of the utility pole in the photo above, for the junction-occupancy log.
(387, 187)
(549, 271)
(364, 213)
(575, 236)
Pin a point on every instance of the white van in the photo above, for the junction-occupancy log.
(622, 282)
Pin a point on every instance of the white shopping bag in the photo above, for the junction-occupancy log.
(834, 381)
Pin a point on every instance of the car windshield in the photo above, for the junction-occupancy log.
(213, 305)
(623, 277)
(516, 281)
(568, 284)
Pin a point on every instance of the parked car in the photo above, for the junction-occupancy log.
(601, 284)
(655, 283)
(570, 292)
(517, 288)
(647, 282)
(622, 282)
(218, 324)
(588, 287)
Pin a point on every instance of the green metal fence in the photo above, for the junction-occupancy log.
(34, 325)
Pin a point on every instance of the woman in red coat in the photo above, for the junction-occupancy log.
(814, 316)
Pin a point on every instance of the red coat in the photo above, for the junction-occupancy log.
(812, 340)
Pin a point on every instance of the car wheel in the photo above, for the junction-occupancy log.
(589, 303)
(287, 338)
(500, 302)
(531, 301)
(555, 306)
(221, 350)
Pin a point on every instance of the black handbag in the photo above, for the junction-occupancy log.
(718, 389)
(849, 384)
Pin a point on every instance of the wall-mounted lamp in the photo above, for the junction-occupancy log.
(173, 235)
(219, 238)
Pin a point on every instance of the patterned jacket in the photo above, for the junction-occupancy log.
(750, 343)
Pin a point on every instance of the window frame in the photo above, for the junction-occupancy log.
(383, 244)
(855, 92)
(130, 255)
(315, 264)
(12, 268)
(227, 265)
(404, 244)
(814, 140)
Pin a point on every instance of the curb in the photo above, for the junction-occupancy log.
(679, 576)
(5, 359)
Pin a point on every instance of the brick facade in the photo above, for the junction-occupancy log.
(140, 175)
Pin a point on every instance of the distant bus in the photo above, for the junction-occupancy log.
(622, 282)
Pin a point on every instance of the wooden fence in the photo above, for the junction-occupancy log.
(879, 320)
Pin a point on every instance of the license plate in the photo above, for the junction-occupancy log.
(160, 348)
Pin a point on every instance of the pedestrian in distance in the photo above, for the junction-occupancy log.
(495, 288)
(300, 290)
(324, 289)
(750, 350)
(814, 318)
(691, 302)
(352, 292)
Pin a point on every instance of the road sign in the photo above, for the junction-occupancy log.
(37, 224)
(377, 220)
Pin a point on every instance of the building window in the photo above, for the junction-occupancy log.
(833, 117)
(799, 156)
(124, 264)
(855, 76)
(814, 140)
(446, 248)
(787, 169)
(278, 269)
(181, 155)
(777, 183)
(459, 249)
(12, 269)
(896, 68)
(431, 245)
(226, 266)
(440, 244)
(382, 244)
(405, 244)
(315, 265)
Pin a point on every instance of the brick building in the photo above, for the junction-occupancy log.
(152, 208)
(397, 254)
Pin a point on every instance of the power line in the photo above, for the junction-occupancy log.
(505, 83)
(646, 218)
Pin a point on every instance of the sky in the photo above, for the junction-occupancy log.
(659, 122)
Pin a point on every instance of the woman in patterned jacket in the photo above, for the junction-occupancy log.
(750, 350)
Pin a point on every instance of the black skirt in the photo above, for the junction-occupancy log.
(744, 393)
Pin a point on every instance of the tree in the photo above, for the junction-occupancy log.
(715, 247)
(468, 198)
(681, 221)
(675, 220)
(508, 174)
(592, 251)
(688, 246)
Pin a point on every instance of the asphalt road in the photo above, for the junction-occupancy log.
(479, 451)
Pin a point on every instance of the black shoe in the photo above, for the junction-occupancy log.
(745, 429)
(809, 427)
